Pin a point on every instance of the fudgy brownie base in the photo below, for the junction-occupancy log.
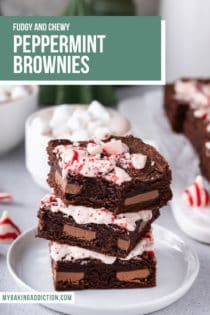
(94, 274)
(108, 239)
(148, 188)
(175, 109)
(183, 120)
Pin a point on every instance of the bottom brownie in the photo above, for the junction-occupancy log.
(75, 268)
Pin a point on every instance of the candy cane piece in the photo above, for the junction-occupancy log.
(8, 229)
(6, 197)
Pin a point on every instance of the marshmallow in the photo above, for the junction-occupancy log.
(60, 130)
(40, 125)
(60, 116)
(79, 119)
(78, 124)
(99, 112)
(102, 133)
(74, 123)
(79, 135)
(93, 125)
(118, 125)
(85, 116)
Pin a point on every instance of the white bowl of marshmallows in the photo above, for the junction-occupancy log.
(74, 122)
(17, 102)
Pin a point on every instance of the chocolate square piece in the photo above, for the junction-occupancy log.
(187, 105)
(95, 229)
(75, 268)
(121, 174)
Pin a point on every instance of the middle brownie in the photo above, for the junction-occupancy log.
(95, 229)
(122, 174)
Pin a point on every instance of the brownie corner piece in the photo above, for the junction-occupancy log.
(122, 174)
(187, 106)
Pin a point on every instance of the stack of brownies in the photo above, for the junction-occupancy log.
(98, 219)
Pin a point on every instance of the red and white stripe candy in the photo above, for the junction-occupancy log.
(197, 195)
(6, 197)
(8, 229)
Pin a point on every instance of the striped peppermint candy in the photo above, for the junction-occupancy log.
(8, 229)
(6, 197)
(197, 195)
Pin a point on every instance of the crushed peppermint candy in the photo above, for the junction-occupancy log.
(86, 215)
(138, 160)
(108, 160)
(115, 147)
(197, 94)
(194, 92)
(118, 175)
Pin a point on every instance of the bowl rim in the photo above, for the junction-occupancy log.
(34, 92)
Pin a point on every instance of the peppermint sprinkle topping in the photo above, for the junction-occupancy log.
(72, 253)
(197, 94)
(87, 215)
(108, 160)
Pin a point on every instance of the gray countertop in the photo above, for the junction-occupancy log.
(15, 179)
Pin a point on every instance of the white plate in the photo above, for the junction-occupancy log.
(178, 265)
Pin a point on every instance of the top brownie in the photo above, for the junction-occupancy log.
(122, 174)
